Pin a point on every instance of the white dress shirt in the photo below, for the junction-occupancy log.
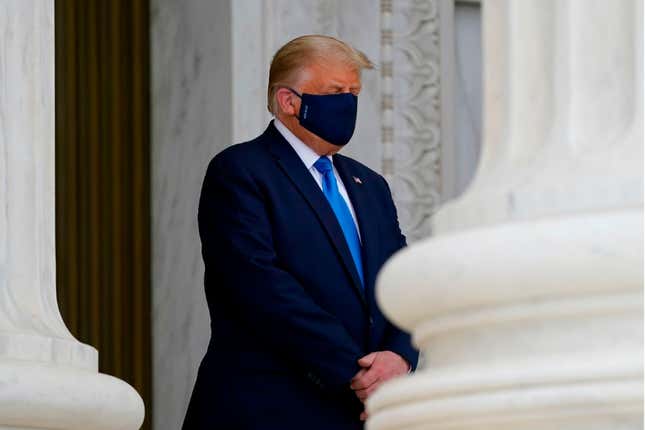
(309, 157)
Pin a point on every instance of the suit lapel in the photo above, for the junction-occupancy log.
(359, 195)
(301, 178)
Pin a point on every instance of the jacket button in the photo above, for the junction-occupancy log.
(371, 321)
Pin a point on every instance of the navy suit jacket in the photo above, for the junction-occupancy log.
(289, 318)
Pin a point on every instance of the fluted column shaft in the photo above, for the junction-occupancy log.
(47, 378)
(528, 301)
(563, 111)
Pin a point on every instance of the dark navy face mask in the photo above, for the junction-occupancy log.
(331, 117)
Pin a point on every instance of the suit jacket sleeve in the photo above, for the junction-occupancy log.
(237, 245)
(395, 339)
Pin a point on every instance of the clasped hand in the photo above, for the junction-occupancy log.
(377, 367)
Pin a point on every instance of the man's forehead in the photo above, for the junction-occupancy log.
(334, 74)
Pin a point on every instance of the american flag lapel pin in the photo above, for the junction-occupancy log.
(357, 180)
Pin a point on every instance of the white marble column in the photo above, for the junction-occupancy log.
(48, 380)
(528, 301)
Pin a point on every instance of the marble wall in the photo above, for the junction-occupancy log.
(210, 64)
(191, 116)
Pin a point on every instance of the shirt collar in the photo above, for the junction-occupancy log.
(306, 154)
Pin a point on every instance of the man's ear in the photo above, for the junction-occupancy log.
(288, 102)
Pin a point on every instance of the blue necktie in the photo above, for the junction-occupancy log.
(340, 208)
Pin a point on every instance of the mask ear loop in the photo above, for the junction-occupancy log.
(293, 91)
(296, 93)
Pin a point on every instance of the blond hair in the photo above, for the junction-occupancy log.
(300, 52)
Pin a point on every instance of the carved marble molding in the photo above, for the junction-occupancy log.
(411, 109)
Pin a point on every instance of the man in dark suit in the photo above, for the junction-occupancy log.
(293, 235)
